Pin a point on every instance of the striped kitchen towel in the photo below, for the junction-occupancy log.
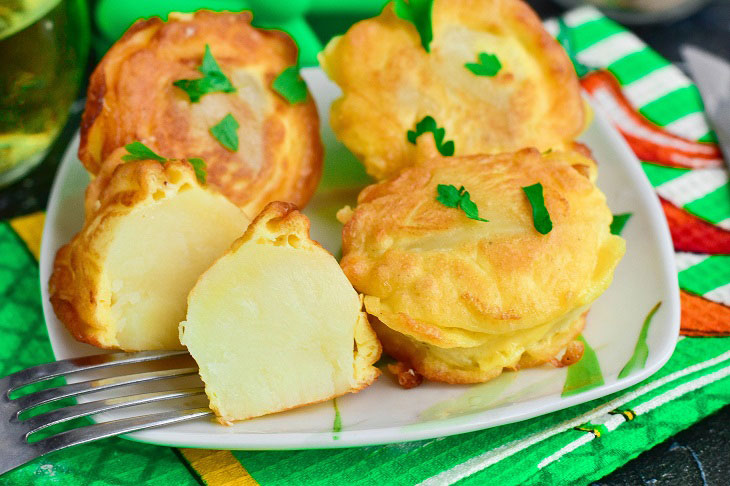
(659, 113)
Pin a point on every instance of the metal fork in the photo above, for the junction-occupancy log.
(16, 450)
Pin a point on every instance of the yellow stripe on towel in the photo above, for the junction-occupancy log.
(30, 229)
(218, 468)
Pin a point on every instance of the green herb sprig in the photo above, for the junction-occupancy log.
(290, 85)
(213, 80)
(419, 13)
(452, 197)
(140, 151)
(428, 124)
(488, 65)
(540, 216)
(226, 132)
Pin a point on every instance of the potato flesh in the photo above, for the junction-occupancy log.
(156, 256)
(272, 328)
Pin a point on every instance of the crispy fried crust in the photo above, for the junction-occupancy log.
(448, 282)
(390, 82)
(131, 97)
(418, 356)
(78, 296)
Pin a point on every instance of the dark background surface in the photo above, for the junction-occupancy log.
(699, 455)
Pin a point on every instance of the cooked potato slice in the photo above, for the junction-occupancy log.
(123, 281)
(274, 324)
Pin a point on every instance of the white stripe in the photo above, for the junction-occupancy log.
(611, 422)
(693, 126)
(654, 85)
(483, 461)
(552, 26)
(683, 389)
(611, 108)
(584, 439)
(721, 295)
(684, 260)
(724, 224)
(692, 185)
(582, 15)
(643, 408)
(610, 49)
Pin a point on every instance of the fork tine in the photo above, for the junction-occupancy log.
(71, 412)
(116, 427)
(83, 387)
(73, 365)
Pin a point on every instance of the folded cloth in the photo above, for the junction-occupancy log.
(658, 110)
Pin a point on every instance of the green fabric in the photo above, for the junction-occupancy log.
(25, 343)
(117, 461)
(714, 207)
(637, 65)
(673, 106)
(659, 174)
(707, 275)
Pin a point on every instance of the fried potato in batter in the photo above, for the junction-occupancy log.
(131, 97)
(390, 83)
(274, 324)
(123, 281)
(459, 300)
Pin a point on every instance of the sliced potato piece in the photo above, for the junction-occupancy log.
(123, 281)
(275, 324)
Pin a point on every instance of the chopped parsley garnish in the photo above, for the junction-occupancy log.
(290, 85)
(200, 169)
(428, 124)
(488, 65)
(540, 215)
(418, 12)
(452, 197)
(226, 132)
(213, 79)
(618, 223)
(140, 151)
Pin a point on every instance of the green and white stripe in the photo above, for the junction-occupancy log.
(599, 415)
(662, 93)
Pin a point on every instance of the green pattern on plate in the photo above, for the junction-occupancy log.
(641, 350)
(585, 374)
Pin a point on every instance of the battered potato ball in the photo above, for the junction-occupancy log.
(132, 97)
(274, 324)
(123, 281)
(460, 299)
(494, 79)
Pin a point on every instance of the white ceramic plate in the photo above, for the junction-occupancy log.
(384, 412)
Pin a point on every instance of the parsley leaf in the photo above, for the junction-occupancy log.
(417, 12)
(226, 132)
(290, 85)
(540, 215)
(140, 151)
(618, 223)
(428, 124)
(200, 169)
(488, 65)
(452, 197)
(213, 79)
